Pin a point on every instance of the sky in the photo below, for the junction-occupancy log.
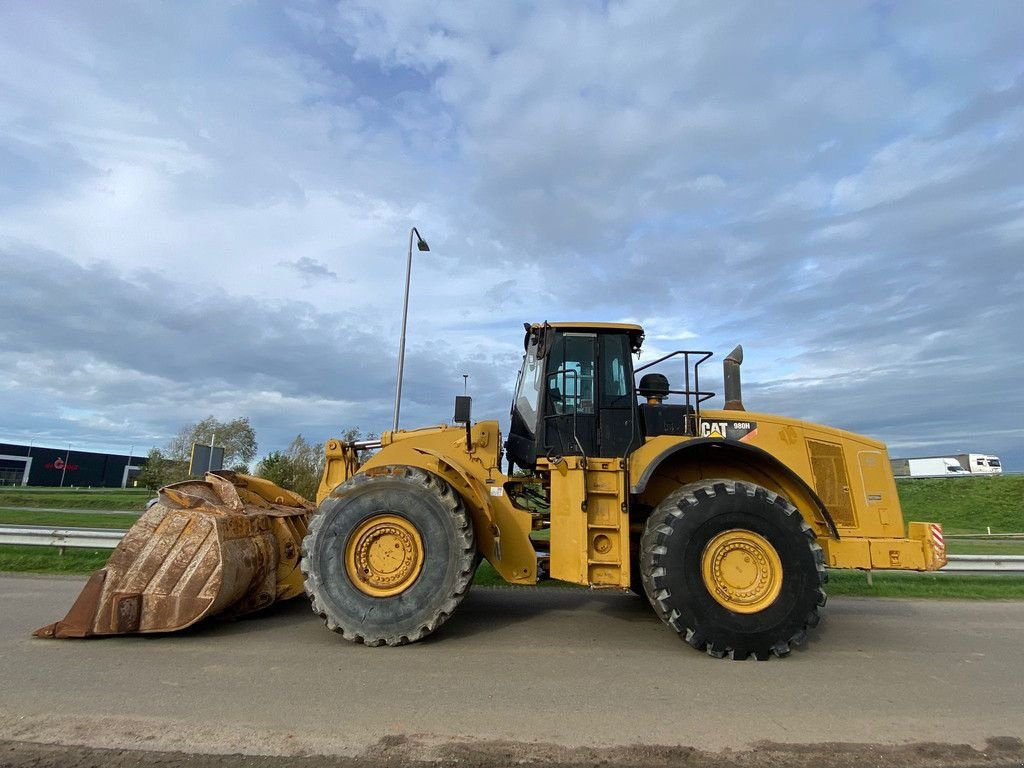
(205, 209)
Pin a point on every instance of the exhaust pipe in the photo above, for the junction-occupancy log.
(731, 367)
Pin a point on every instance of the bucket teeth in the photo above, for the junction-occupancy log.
(79, 621)
(227, 543)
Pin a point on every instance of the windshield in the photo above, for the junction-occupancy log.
(528, 388)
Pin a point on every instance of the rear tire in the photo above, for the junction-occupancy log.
(389, 556)
(733, 568)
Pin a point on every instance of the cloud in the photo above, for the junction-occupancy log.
(311, 270)
(106, 353)
(209, 210)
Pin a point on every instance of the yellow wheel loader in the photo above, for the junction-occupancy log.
(725, 519)
(613, 476)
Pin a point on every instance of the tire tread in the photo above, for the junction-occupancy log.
(653, 548)
(450, 500)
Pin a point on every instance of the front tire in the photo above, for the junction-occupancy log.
(389, 556)
(733, 568)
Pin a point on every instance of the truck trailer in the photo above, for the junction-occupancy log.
(928, 466)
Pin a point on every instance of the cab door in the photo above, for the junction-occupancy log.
(570, 418)
(589, 405)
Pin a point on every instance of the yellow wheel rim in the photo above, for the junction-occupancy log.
(742, 571)
(384, 555)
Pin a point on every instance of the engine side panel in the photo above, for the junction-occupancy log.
(840, 481)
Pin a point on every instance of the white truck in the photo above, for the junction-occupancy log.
(928, 466)
(980, 463)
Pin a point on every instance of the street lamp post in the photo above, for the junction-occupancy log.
(421, 245)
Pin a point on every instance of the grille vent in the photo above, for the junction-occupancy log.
(831, 481)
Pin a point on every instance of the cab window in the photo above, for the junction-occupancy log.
(570, 378)
(615, 386)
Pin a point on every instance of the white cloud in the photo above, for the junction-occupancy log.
(837, 187)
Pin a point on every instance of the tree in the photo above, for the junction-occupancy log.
(160, 470)
(298, 469)
(276, 468)
(237, 437)
(355, 433)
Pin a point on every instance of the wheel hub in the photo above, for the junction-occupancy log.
(384, 555)
(742, 571)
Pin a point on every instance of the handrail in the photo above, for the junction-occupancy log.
(696, 394)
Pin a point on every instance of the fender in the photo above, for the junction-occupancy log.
(470, 486)
(733, 445)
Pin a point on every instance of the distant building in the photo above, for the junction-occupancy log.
(39, 465)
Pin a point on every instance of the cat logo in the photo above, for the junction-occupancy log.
(730, 430)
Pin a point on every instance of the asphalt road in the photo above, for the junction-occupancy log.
(569, 668)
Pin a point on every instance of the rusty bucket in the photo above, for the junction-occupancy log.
(227, 543)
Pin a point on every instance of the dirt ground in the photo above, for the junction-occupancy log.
(403, 752)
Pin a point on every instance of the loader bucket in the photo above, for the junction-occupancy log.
(227, 543)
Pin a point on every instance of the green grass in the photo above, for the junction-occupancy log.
(50, 560)
(486, 576)
(66, 519)
(966, 504)
(131, 499)
(855, 584)
(32, 559)
(926, 585)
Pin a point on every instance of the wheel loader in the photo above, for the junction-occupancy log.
(613, 476)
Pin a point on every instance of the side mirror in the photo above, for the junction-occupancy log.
(463, 409)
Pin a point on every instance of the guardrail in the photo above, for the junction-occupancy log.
(993, 563)
(107, 538)
(39, 535)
